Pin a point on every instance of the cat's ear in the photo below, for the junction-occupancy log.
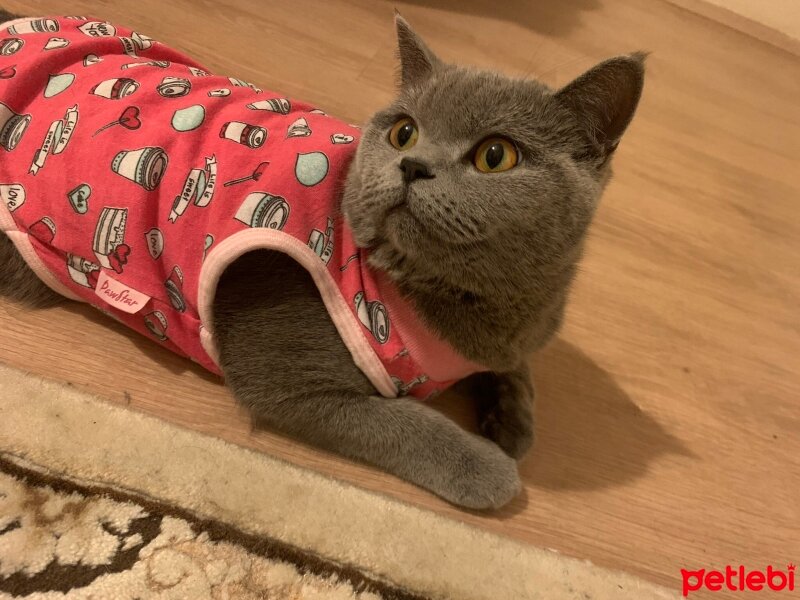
(605, 98)
(416, 59)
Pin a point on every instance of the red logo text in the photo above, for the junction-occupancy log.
(738, 580)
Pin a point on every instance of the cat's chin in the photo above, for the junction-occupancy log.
(403, 230)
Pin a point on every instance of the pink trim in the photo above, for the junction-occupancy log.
(437, 358)
(207, 342)
(23, 244)
(253, 239)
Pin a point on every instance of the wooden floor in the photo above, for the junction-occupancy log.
(668, 411)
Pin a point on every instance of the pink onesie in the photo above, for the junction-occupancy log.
(130, 178)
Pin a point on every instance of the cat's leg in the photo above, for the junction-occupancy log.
(505, 408)
(283, 358)
(401, 436)
(18, 282)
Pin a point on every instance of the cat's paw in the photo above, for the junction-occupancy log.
(483, 477)
(510, 426)
(505, 411)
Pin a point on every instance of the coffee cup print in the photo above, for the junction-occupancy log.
(174, 285)
(155, 242)
(157, 324)
(198, 72)
(207, 244)
(278, 105)
(12, 127)
(43, 230)
(261, 209)
(220, 93)
(98, 29)
(56, 43)
(299, 128)
(79, 198)
(174, 87)
(342, 138)
(10, 46)
(115, 89)
(143, 166)
(373, 316)
(251, 136)
(34, 26)
(12, 195)
(310, 169)
(322, 243)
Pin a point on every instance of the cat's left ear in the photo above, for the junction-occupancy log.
(605, 98)
(417, 61)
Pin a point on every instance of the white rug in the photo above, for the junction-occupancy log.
(97, 501)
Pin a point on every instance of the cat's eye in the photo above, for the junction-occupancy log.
(404, 134)
(495, 155)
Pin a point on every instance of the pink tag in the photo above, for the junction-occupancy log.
(120, 296)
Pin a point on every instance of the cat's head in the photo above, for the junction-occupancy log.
(475, 181)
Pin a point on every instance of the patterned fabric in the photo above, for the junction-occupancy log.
(136, 177)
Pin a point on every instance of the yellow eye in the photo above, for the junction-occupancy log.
(495, 155)
(404, 134)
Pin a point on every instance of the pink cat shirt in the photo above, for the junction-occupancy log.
(130, 178)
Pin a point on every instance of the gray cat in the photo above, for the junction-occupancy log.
(480, 222)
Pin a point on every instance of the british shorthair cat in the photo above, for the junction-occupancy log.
(472, 194)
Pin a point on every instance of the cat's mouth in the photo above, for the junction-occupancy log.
(405, 222)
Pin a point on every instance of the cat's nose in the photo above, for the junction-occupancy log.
(414, 169)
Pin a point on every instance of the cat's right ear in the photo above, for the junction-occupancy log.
(416, 59)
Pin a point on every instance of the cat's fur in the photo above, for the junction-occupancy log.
(487, 260)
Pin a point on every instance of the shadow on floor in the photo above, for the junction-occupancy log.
(550, 17)
(176, 364)
(589, 433)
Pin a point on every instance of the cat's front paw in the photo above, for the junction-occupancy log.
(506, 412)
(510, 426)
(483, 477)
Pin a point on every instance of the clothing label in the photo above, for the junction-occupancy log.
(119, 295)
